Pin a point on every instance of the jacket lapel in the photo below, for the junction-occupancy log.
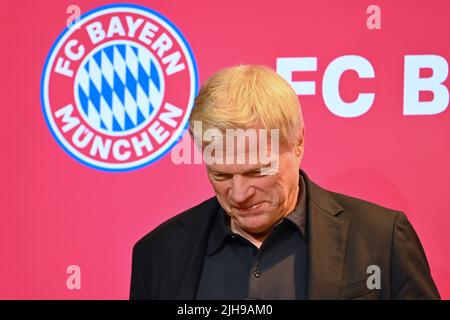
(197, 248)
(327, 237)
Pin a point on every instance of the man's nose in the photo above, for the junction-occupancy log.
(241, 190)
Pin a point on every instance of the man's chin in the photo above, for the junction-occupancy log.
(254, 224)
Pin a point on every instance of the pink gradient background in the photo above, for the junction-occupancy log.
(56, 211)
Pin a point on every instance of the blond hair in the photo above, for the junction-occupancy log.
(245, 96)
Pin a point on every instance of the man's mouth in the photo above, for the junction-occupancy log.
(249, 209)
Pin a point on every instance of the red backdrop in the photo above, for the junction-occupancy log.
(57, 212)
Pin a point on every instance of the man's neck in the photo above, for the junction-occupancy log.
(256, 238)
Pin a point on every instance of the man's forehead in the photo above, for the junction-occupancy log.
(239, 168)
(241, 143)
(239, 147)
(240, 153)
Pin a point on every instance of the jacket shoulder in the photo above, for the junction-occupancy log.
(368, 216)
(347, 207)
(169, 231)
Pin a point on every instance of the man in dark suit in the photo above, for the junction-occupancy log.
(270, 232)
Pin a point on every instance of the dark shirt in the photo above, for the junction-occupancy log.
(234, 268)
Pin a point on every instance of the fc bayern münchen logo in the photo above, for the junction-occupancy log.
(118, 87)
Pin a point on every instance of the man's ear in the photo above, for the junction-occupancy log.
(300, 142)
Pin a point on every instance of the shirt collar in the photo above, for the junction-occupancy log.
(221, 231)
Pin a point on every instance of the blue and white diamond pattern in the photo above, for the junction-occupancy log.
(119, 87)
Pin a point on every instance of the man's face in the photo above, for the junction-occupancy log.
(256, 199)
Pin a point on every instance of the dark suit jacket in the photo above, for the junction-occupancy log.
(346, 236)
